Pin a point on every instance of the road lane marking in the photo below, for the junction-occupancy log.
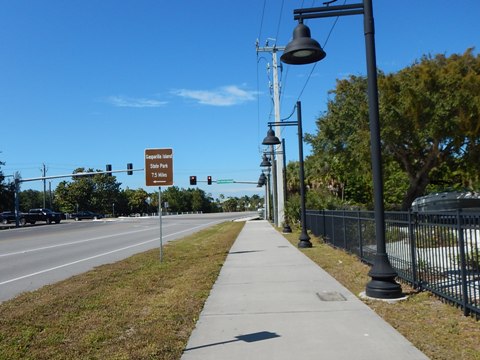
(76, 242)
(100, 255)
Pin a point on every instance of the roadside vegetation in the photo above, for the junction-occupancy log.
(439, 330)
(138, 308)
(430, 137)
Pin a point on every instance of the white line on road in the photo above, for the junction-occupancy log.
(73, 242)
(100, 255)
(74, 262)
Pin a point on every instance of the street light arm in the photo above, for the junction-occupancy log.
(283, 123)
(320, 9)
(328, 11)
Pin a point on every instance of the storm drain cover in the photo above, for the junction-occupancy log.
(331, 296)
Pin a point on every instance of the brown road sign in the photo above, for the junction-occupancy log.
(159, 167)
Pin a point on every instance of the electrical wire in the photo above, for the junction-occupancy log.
(293, 112)
(314, 65)
(279, 20)
(261, 20)
(258, 81)
(281, 68)
(258, 102)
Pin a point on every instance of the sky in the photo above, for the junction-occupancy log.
(85, 83)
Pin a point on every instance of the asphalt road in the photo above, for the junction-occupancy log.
(34, 256)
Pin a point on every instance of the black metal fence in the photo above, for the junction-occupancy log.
(438, 252)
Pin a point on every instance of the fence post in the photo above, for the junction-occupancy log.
(413, 249)
(332, 214)
(344, 225)
(360, 238)
(463, 262)
(324, 224)
(318, 224)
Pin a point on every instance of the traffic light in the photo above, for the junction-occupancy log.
(209, 180)
(108, 169)
(130, 169)
(193, 180)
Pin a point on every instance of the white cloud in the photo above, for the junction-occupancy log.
(223, 96)
(123, 101)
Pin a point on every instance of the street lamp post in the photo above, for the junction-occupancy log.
(266, 164)
(260, 183)
(304, 50)
(286, 227)
(271, 139)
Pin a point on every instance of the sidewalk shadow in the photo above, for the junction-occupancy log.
(249, 338)
(243, 252)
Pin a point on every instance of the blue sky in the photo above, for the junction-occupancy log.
(86, 83)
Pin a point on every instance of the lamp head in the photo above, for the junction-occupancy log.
(271, 139)
(265, 161)
(262, 180)
(302, 49)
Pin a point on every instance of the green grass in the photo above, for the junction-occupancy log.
(138, 308)
(439, 330)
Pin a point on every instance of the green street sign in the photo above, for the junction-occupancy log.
(225, 181)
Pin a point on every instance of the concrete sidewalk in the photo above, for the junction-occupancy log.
(272, 302)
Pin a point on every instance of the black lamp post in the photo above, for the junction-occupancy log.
(303, 50)
(271, 139)
(263, 181)
(286, 227)
(266, 163)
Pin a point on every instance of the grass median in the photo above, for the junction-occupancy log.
(137, 308)
(439, 330)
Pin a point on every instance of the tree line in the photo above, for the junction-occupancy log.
(430, 136)
(102, 193)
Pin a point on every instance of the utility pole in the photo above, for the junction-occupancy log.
(279, 191)
(44, 174)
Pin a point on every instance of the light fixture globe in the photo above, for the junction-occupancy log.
(271, 139)
(302, 49)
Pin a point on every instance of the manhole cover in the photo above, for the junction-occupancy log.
(331, 296)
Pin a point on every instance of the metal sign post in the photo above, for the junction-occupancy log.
(160, 220)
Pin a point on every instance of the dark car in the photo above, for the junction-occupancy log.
(86, 215)
(42, 214)
(7, 217)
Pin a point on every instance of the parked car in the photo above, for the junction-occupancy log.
(41, 214)
(86, 215)
(7, 217)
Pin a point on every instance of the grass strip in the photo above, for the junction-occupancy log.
(438, 329)
(137, 308)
